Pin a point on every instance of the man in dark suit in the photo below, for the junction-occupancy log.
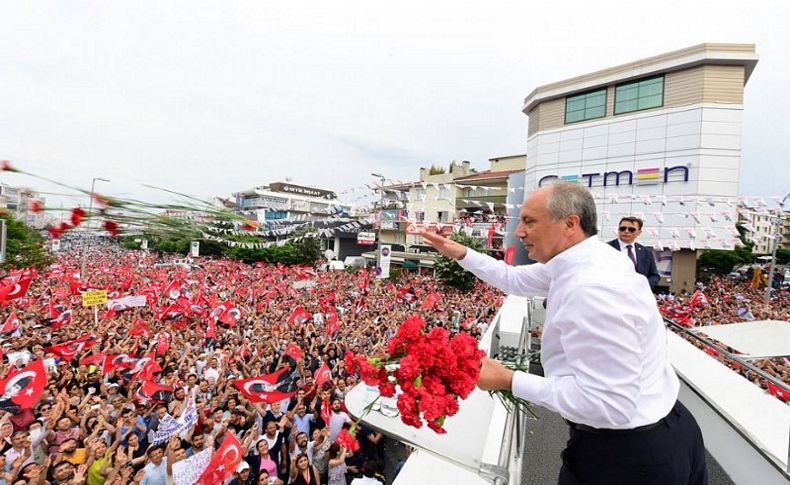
(628, 230)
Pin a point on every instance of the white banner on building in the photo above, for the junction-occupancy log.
(194, 249)
(55, 245)
(366, 238)
(383, 271)
(663, 263)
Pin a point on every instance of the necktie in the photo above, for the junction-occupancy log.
(631, 254)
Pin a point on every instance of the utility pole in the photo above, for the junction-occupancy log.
(381, 212)
(777, 237)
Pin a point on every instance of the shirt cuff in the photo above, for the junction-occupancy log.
(527, 386)
(472, 260)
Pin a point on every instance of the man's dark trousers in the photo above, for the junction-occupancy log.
(668, 454)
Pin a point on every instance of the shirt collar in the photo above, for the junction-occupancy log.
(568, 258)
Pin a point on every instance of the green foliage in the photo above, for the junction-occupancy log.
(450, 272)
(783, 256)
(395, 274)
(436, 170)
(128, 242)
(718, 262)
(308, 250)
(24, 246)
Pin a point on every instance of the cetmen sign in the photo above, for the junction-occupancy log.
(643, 176)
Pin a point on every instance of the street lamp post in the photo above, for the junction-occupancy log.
(90, 214)
(777, 237)
(381, 212)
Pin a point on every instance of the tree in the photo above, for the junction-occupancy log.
(719, 262)
(450, 272)
(308, 250)
(24, 246)
(783, 256)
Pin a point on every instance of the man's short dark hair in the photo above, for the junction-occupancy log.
(633, 220)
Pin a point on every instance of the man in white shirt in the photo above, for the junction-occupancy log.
(603, 348)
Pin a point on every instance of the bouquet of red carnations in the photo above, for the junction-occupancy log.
(433, 372)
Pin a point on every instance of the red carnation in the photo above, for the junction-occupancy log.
(347, 440)
(111, 227)
(408, 332)
(77, 214)
(351, 363)
(5, 166)
(36, 206)
(54, 232)
(64, 226)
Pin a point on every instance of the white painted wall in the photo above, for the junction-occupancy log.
(704, 137)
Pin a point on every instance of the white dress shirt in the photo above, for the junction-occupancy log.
(603, 347)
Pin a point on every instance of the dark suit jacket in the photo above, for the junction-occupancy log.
(645, 262)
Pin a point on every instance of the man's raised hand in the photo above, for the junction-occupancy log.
(445, 246)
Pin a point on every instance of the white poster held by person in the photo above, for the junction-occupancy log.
(186, 472)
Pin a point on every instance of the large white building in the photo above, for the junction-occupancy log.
(658, 138)
(284, 200)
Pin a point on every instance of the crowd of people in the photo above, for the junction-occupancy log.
(117, 378)
(722, 300)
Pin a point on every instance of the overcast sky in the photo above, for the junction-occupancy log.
(211, 97)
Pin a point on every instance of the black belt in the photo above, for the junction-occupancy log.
(603, 431)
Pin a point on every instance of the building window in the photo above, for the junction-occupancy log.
(419, 216)
(585, 106)
(638, 95)
(442, 216)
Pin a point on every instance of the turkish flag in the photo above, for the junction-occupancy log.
(231, 315)
(169, 312)
(269, 388)
(430, 300)
(15, 290)
(406, 294)
(322, 375)
(359, 306)
(146, 367)
(510, 254)
(326, 411)
(698, 299)
(55, 309)
(150, 390)
(21, 389)
(778, 392)
(294, 351)
(61, 320)
(12, 324)
(68, 350)
(94, 359)
(467, 324)
(224, 461)
(140, 328)
(332, 326)
(117, 361)
(299, 315)
(173, 289)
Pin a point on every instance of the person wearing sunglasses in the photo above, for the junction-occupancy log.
(645, 264)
